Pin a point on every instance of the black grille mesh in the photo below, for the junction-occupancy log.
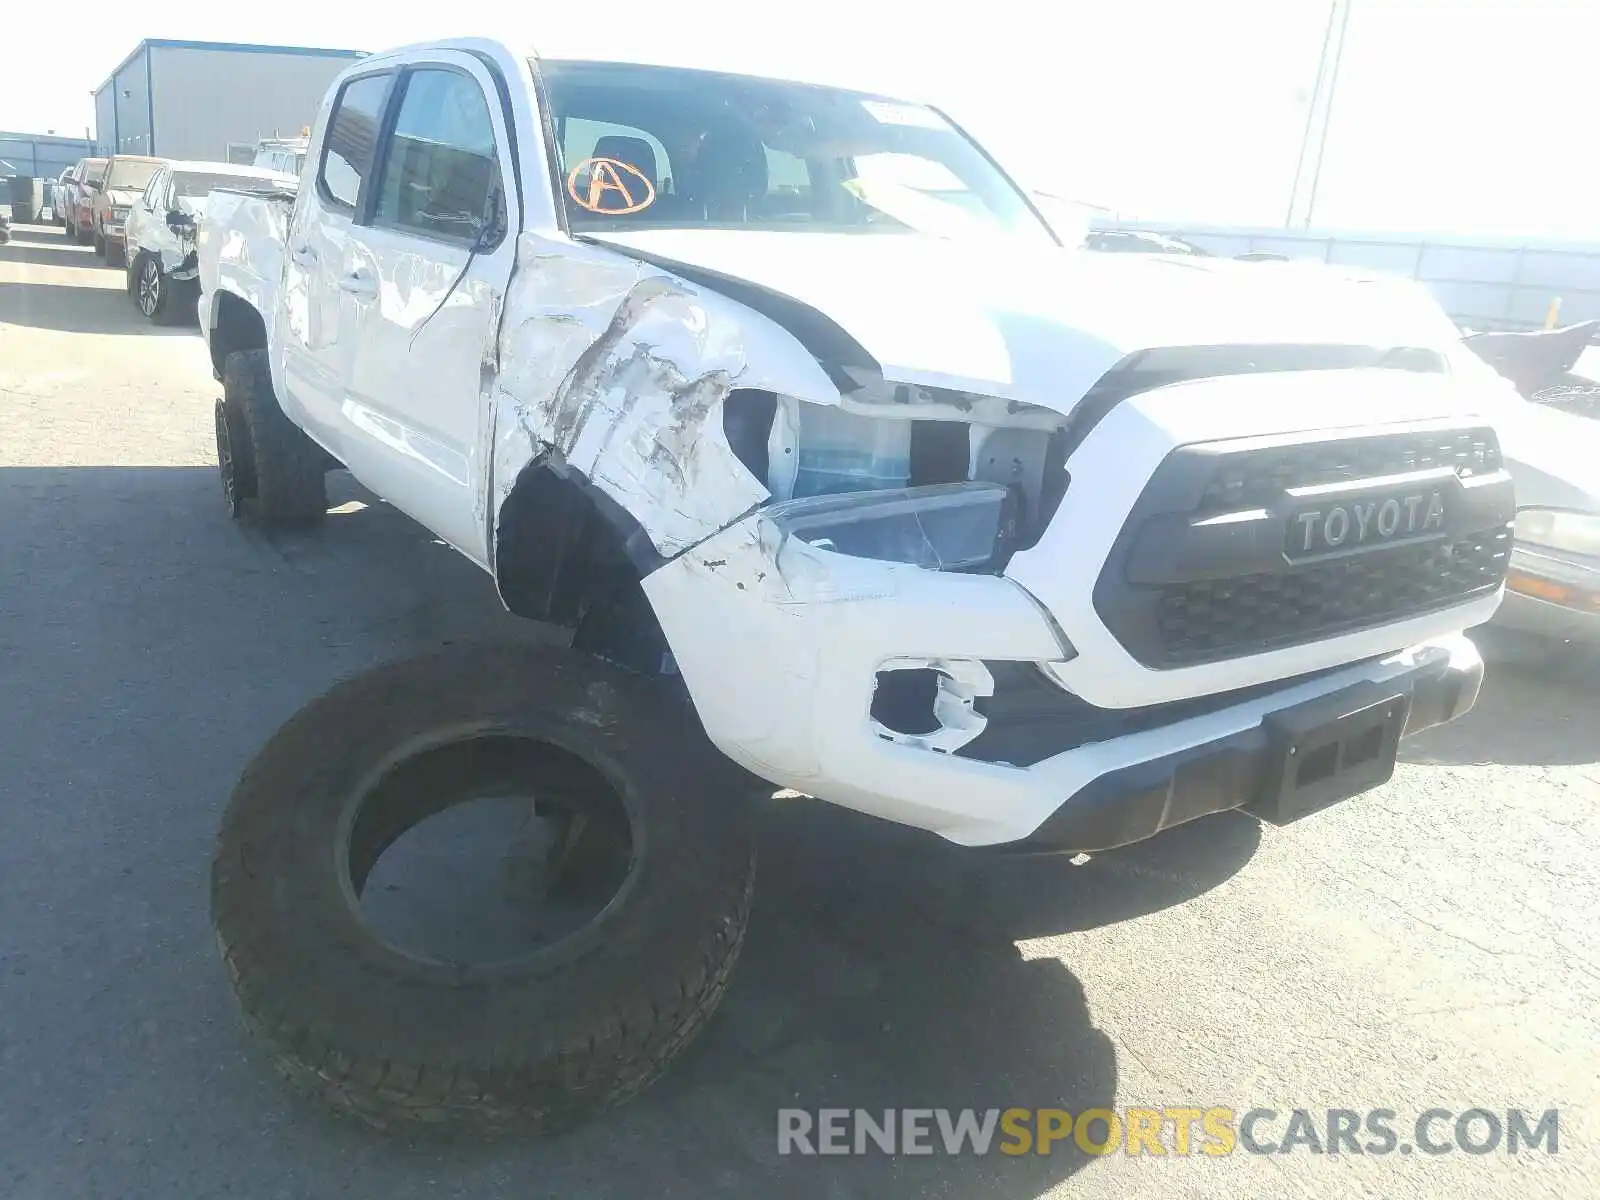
(1258, 478)
(1204, 621)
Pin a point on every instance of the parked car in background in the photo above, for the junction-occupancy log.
(1553, 586)
(161, 227)
(127, 176)
(77, 204)
(285, 155)
(61, 197)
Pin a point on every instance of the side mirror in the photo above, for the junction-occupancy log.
(179, 221)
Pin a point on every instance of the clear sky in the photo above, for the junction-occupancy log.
(1463, 116)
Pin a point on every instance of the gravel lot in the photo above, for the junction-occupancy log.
(1432, 944)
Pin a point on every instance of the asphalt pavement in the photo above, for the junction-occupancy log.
(1433, 944)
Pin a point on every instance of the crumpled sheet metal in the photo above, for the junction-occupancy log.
(618, 371)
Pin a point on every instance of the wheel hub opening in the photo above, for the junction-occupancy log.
(487, 850)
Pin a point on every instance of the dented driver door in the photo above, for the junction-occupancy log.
(424, 274)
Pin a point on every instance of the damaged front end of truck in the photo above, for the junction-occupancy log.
(844, 553)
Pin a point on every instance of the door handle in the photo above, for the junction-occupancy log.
(358, 283)
(304, 256)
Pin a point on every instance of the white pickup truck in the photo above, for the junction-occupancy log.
(791, 392)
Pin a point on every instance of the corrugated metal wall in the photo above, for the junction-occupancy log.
(1482, 283)
(41, 156)
(206, 100)
(131, 93)
(104, 121)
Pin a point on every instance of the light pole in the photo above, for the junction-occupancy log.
(1319, 115)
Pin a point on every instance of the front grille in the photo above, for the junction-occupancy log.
(1223, 618)
(1258, 478)
(1201, 570)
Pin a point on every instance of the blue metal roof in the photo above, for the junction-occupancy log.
(44, 139)
(235, 47)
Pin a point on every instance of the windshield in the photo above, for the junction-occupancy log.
(662, 147)
(186, 184)
(131, 175)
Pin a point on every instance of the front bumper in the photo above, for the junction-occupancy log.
(187, 270)
(1437, 683)
(781, 646)
(1552, 596)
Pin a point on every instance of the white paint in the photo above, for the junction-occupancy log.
(1039, 324)
(780, 646)
(779, 643)
(1113, 465)
(240, 251)
(620, 370)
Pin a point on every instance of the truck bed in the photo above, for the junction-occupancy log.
(240, 248)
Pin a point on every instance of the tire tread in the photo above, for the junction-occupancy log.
(533, 1081)
(288, 469)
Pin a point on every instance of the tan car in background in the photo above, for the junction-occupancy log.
(127, 176)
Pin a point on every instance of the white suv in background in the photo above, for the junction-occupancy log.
(161, 226)
(284, 155)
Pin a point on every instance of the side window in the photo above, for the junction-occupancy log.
(440, 165)
(153, 193)
(613, 191)
(352, 135)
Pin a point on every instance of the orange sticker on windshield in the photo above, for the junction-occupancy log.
(616, 188)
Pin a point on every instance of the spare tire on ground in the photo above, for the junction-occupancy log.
(408, 1041)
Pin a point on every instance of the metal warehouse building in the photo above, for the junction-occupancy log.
(41, 155)
(211, 100)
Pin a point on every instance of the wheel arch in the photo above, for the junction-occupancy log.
(565, 553)
(233, 324)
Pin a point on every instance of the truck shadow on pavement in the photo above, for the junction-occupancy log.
(1528, 714)
(47, 247)
(72, 308)
(152, 647)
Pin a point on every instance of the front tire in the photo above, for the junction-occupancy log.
(71, 231)
(151, 289)
(116, 254)
(530, 1043)
(99, 245)
(278, 475)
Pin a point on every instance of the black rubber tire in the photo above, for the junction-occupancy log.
(99, 245)
(116, 254)
(71, 231)
(164, 310)
(288, 471)
(533, 1046)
